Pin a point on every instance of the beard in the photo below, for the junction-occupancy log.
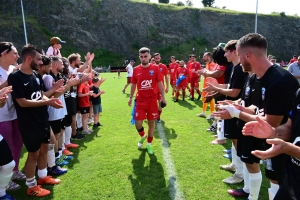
(246, 67)
(34, 66)
(145, 63)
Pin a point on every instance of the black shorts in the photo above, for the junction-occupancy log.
(220, 98)
(277, 168)
(71, 105)
(56, 126)
(68, 120)
(6, 156)
(245, 145)
(231, 131)
(77, 104)
(84, 110)
(33, 139)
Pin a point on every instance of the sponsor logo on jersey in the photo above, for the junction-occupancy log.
(146, 84)
(36, 96)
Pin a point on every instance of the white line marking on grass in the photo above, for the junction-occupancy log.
(174, 188)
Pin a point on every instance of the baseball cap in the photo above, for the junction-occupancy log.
(220, 45)
(56, 40)
(132, 61)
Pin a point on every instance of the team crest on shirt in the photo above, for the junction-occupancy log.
(38, 81)
(247, 91)
(160, 69)
(263, 93)
(151, 72)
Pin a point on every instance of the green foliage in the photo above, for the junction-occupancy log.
(188, 3)
(208, 3)
(179, 3)
(106, 58)
(163, 1)
(183, 49)
(282, 14)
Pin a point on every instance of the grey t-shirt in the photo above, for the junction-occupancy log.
(294, 68)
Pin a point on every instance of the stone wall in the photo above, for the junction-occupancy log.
(122, 26)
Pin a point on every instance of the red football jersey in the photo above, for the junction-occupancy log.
(172, 70)
(146, 80)
(182, 71)
(222, 68)
(194, 67)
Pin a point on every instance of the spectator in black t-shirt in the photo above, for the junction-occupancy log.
(272, 96)
(31, 106)
(96, 101)
(290, 132)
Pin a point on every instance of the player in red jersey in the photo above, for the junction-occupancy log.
(181, 71)
(194, 77)
(172, 71)
(164, 73)
(147, 79)
(188, 66)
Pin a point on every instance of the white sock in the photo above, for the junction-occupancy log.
(246, 179)
(255, 180)
(233, 155)
(78, 120)
(60, 153)
(220, 129)
(148, 143)
(68, 133)
(51, 155)
(31, 182)
(239, 166)
(42, 173)
(273, 190)
(6, 172)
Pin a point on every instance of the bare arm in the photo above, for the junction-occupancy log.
(132, 91)
(213, 74)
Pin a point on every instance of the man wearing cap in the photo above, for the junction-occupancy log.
(129, 70)
(294, 68)
(54, 49)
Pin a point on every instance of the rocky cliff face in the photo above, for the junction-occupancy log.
(122, 26)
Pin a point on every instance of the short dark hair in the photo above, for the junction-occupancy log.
(208, 54)
(231, 45)
(218, 56)
(5, 47)
(144, 50)
(156, 54)
(95, 80)
(65, 62)
(253, 40)
(55, 58)
(30, 50)
(46, 60)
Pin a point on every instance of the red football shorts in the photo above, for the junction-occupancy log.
(128, 79)
(146, 109)
(172, 81)
(195, 82)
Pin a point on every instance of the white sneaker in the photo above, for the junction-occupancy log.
(234, 179)
(201, 115)
(86, 132)
(90, 130)
(90, 121)
(18, 175)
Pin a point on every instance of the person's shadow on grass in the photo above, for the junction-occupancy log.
(148, 182)
(170, 133)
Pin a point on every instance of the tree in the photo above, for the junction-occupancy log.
(163, 1)
(208, 3)
(179, 3)
(188, 3)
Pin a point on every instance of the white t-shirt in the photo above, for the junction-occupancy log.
(8, 111)
(74, 71)
(129, 70)
(55, 114)
(53, 52)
